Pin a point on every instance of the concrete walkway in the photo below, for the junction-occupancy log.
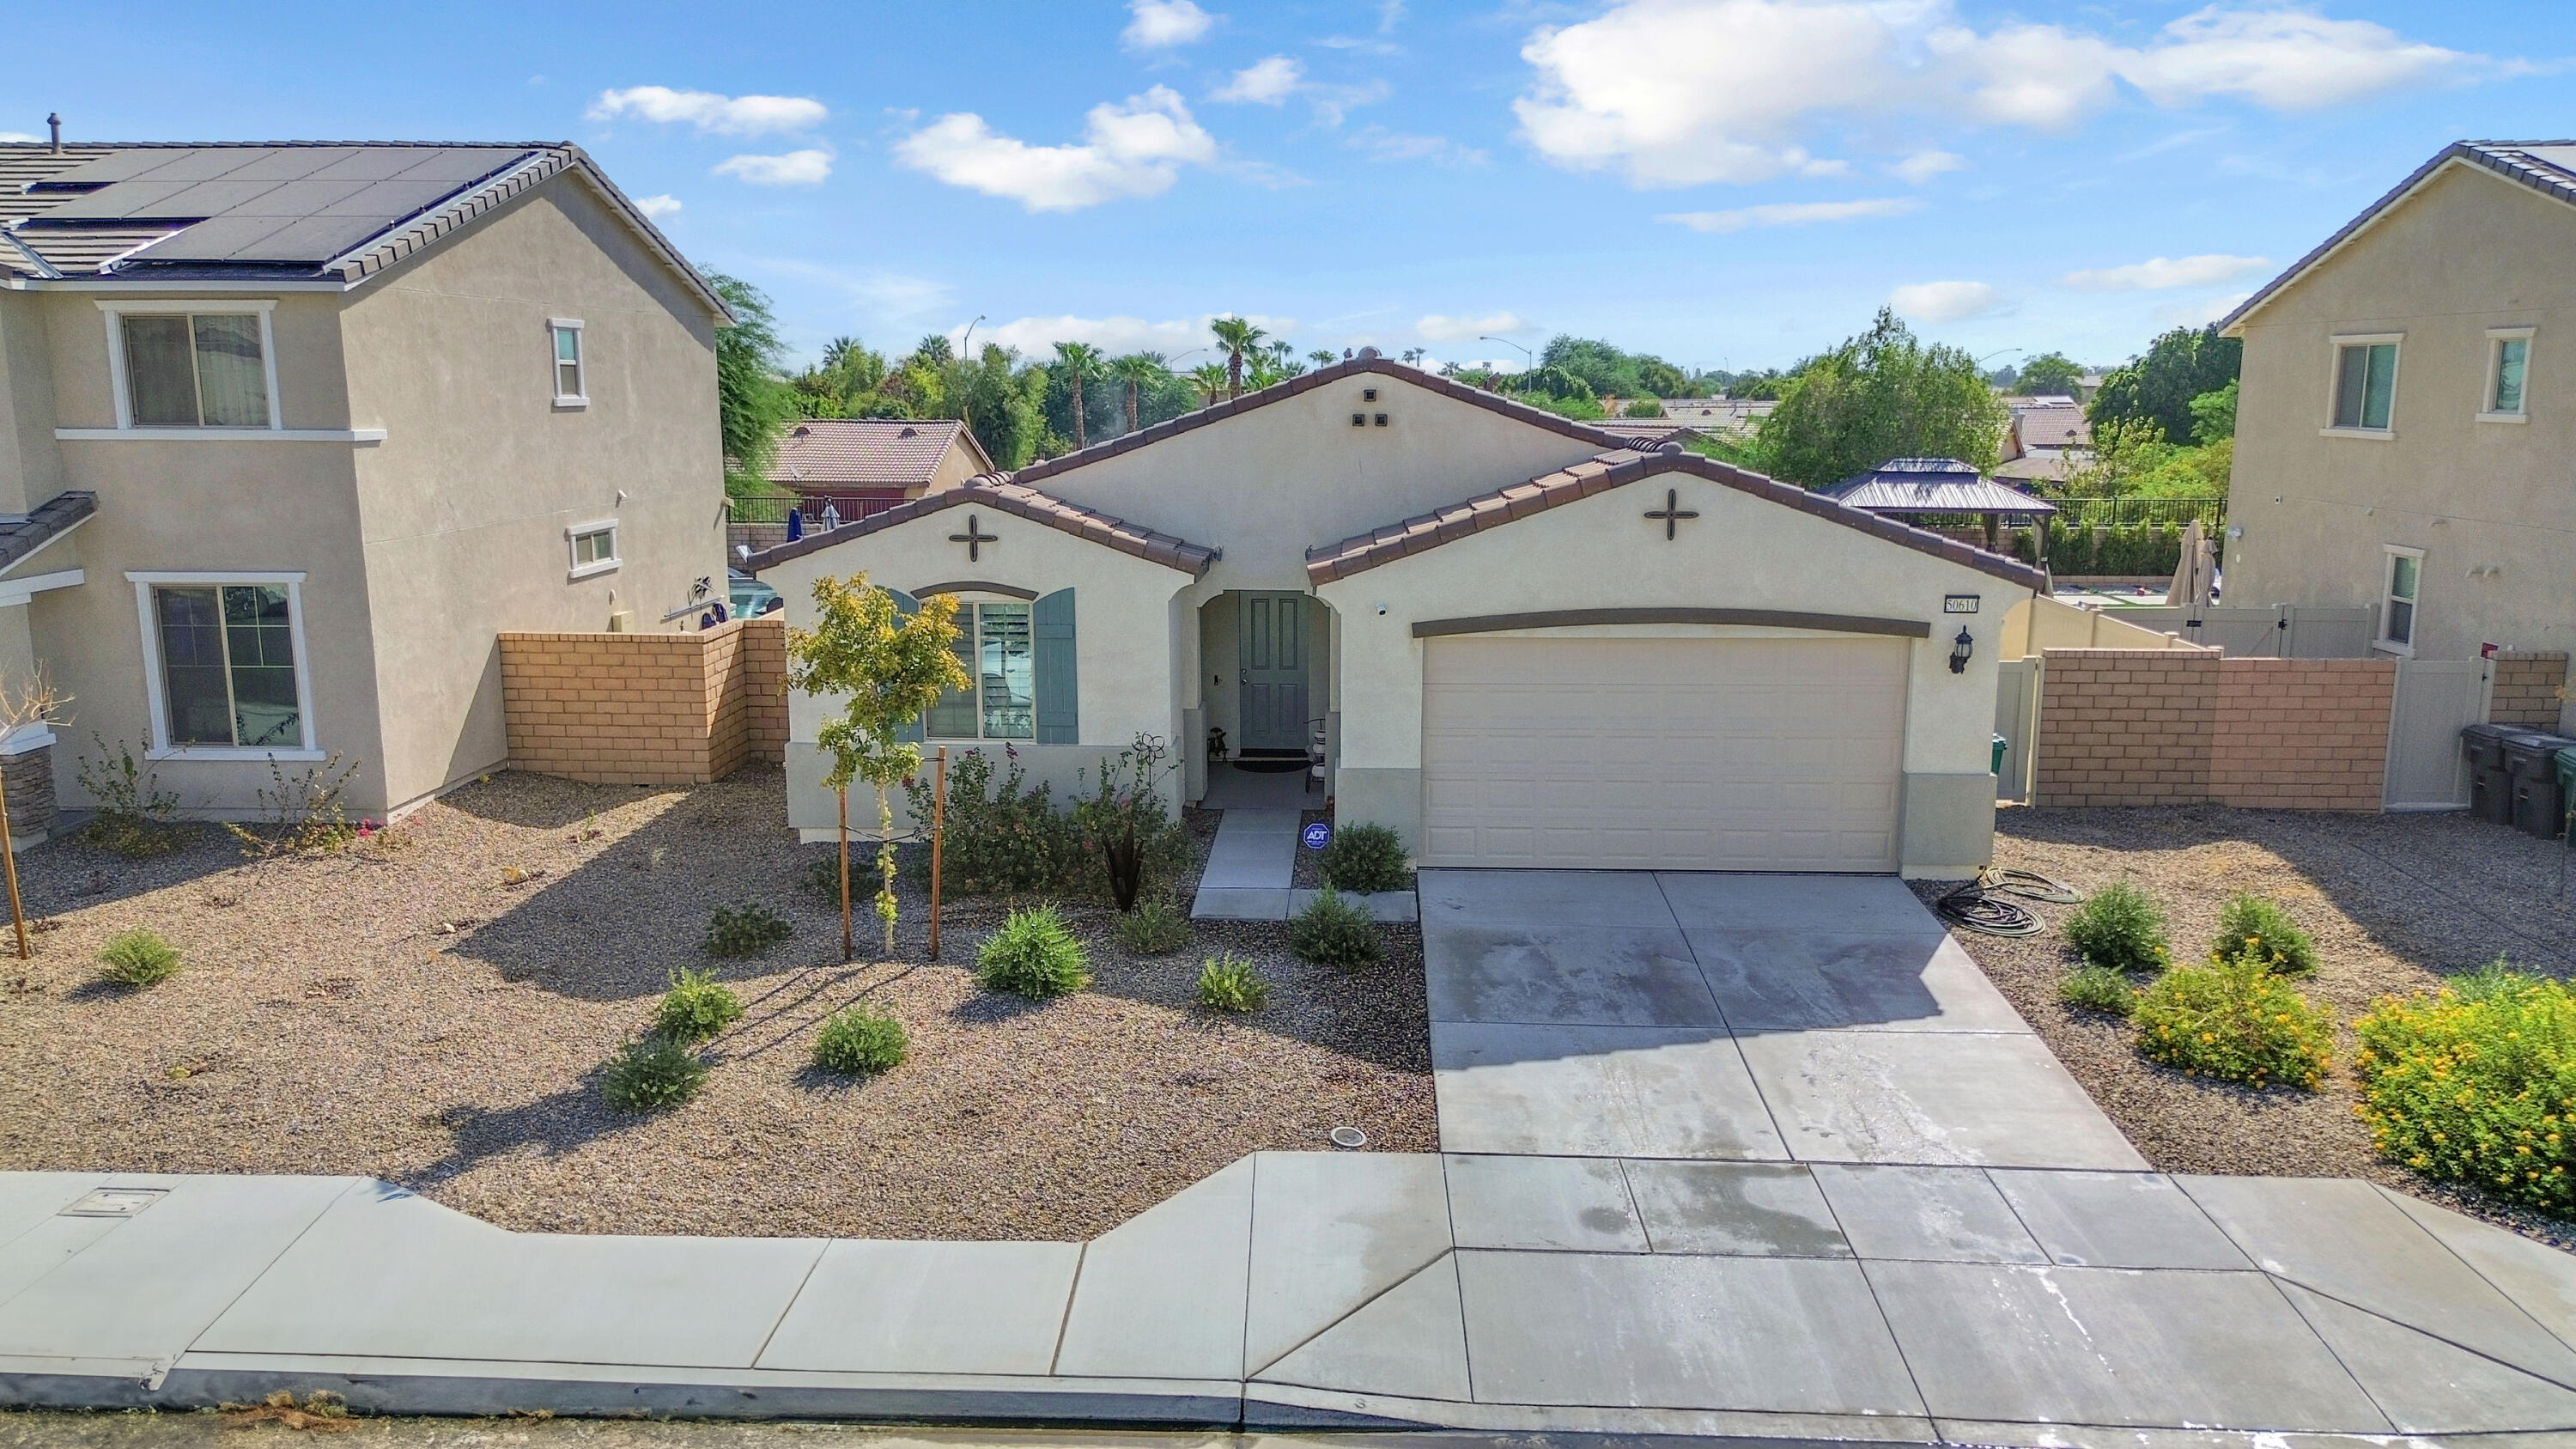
(1252, 867)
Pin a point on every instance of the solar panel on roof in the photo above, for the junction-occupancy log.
(214, 241)
(115, 202)
(459, 163)
(312, 239)
(291, 163)
(391, 198)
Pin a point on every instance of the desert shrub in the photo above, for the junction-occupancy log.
(1229, 983)
(1033, 955)
(1366, 858)
(746, 932)
(860, 1039)
(1154, 928)
(2120, 928)
(1008, 842)
(696, 1007)
(1124, 824)
(135, 817)
(651, 1072)
(2236, 1020)
(2251, 923)
(300, 815)
(2476, 1083)
(138, 958)
(2098, 988)
(1333, 932)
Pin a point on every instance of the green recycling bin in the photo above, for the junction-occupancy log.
(2001, 744)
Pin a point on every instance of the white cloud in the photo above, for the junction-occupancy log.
(1037, 336)
(2162, 272)
(1436, 328)
(1132, 149)
(796, 168)
(1944, 301)
(1683, 92)
(1160, 24)
(1381, 144)
(2200, 313)
(657, 207)
(1793, 213)
(1265, 82)
(13, 137)
(709, 112)
(1922, 166)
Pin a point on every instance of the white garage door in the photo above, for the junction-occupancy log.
(1690, 754)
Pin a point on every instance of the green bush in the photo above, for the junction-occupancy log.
(651, 1072)
(2098, 988)
(746, 932)
(1333, 932)
(1033, 955)
(1366, 858)
(860, 1039)
(1228, 983)
(134, 817)
(2235, 1020)
(2251, 923)
(1010, 842)
(696, 1007)
(2119, 928)
(138, 958)
(1154, 928)
(2476, 1083)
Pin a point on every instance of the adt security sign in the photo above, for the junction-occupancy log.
(1318, 835)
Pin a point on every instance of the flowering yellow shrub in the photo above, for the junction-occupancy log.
(2476, 1083)
(2235, 1020)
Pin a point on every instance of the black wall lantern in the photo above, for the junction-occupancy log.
(1960, 649)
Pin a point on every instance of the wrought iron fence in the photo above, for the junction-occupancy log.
(2122, 512)
(820, 512)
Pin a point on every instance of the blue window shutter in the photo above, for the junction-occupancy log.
(905, 606)
(1059, 712)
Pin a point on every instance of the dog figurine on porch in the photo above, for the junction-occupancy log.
(1216, 742)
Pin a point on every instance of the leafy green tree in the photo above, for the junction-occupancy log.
(754, 404)
(2158, 388)
(890, 670)
(1658, 378)
(1644, 407)
(1883, 394)
(2213, 415)
(2050, 374)
(1003, 404)
(1238, 339)
(1136, 373)
(1076, 361)
(1762, 386)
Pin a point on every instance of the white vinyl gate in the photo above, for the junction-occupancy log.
(2436, 699)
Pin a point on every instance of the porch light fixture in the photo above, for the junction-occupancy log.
(1960, 649)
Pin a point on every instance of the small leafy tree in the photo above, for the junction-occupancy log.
(890, 670)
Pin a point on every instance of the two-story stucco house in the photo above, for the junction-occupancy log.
(289, 433)
(2406, 439)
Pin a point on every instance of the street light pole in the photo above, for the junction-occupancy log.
(965, 343)
(1529, 360)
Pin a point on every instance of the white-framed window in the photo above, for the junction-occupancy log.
(186, 364)
(995, 643)
(2401, 585)
(593, 546)
(225, 666)
(2365, 384)
(572, 389)
(2508, 375)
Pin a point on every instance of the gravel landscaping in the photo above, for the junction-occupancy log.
(432, 1007)
(2395, 903)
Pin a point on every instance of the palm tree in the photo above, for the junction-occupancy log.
(1323, 357)
(1078, 359)
(1138, 370)
(1238, 338)
(1210, 379)
(1413, 356)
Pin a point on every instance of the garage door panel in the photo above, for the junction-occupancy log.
(1689, 754)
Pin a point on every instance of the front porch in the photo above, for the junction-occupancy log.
(1260, 701)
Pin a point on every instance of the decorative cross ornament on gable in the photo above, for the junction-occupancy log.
(974, 538)
(1671, 513)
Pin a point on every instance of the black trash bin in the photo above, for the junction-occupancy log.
(2531, 758)
(2490, 782)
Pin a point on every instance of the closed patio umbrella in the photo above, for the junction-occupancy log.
(2194, 574)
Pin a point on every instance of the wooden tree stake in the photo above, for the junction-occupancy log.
(848, 950)
(9, 856)
(938, 838)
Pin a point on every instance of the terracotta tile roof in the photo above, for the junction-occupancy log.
(2050, 425)
(869, 452)
(1617, 469)
(1368, 360)
(995, 492)
(1647, 432)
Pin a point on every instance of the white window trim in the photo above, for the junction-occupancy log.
(610, 564)
(568, 401)
(158, 696)
(117, 311)
(2334, 375)
(2496, 338)
(2415, 623)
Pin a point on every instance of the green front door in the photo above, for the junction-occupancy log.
(1271, 661)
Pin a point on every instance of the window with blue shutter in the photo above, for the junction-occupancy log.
(1059, 712)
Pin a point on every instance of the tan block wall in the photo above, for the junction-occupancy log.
(2169, 727)
(646, 709)
(2526, 690)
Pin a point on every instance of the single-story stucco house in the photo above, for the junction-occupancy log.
(1523, 643)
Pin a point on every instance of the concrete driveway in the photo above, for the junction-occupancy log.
(1765, 1018)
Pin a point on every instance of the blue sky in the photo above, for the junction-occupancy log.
(1724, 182)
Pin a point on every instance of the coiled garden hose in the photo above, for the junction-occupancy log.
(1976, 906)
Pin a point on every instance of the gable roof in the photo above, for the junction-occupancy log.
(1616, 469)
(870, 452)
(1931, 485)
(154, 213)
(2050, 424)
(1368, 361)
(1008, 497)
(2548, 167)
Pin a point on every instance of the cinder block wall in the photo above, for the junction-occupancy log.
(2526, 690)
(646, 709)
(2171, 727)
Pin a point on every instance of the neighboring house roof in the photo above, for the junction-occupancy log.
(154, 213)
(2050, 467)
(870, 452)
(1648, 431)
(23, 535)
(1012, 498)
(2548, 167)
(1932, 485)
(1617, 469)
(2050, 424)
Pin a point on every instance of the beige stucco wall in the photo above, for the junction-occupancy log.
(2493, 505)
(464, 507)
(31, 465)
